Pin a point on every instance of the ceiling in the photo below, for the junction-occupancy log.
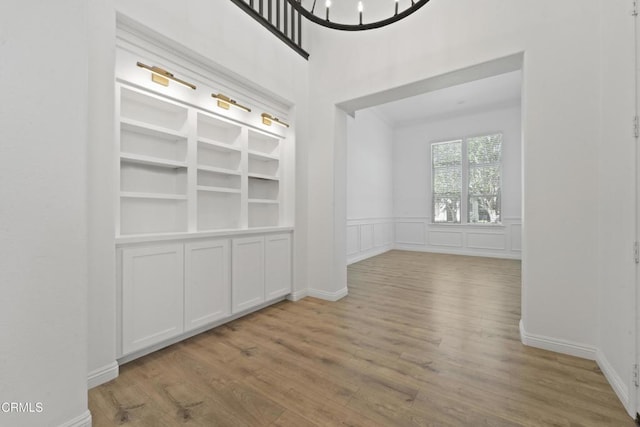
(493, 92)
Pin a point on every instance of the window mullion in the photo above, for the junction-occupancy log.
(464, 184)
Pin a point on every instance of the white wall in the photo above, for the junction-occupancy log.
(369, 186)
(43, 213)
(561, 76)
(412, 186)
(102, 191)
(616, 203)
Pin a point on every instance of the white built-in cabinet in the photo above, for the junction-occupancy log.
(152, 295)
(207, 282)
(277, 265)
(171, 289)
(248, 272)
(202, 232)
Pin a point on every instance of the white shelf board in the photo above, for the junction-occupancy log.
(219, 145)
(262, 156)
(264, 201)
(218, 189)
(218, 170)
(263, 176)
(153, 161)
(149, 129)
(159, 196)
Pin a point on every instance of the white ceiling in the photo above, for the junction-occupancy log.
(493, 92)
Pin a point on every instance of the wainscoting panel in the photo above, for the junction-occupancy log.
(499, 241)
(516, 237)
(452, 239)
(367, 237)
(353, 239)
(490, 241)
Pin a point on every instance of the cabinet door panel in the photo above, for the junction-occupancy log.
(248, 273)
(277, 265)
(152, 295)
(207, 282)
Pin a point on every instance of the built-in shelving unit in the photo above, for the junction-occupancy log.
(187, 169)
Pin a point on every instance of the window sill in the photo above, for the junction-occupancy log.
(456, 225)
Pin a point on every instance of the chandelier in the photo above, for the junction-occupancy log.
(319, 12)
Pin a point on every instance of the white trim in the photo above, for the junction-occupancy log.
(298, 295)
(558, 345)
(329, 296)
(83, 420)
(102, 375)
(616, 382)
(369, 254)
(416, 247)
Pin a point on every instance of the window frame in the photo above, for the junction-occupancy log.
(464, 191)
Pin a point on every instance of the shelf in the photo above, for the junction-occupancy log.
(150, 129)
(264, 201)
(151, 111)
(262, 156)
(217, 130)
(218, 189)
(263, 176)
(218, 170)
(221, 146)
(159, 196)
(153, 161)
(261, 143)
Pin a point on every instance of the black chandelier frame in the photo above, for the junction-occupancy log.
(297, 5)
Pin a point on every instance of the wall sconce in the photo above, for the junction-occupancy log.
(226, 102)
(162, 76)
(267, 119)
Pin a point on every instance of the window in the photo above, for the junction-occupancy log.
(476, 162)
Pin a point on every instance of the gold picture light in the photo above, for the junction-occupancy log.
(162, 76)
(268, 119)
(226, 102)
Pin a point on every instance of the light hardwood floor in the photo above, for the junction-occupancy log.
(421, 340)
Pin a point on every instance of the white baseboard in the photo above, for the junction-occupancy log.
(616, 382)
(463, 252)
(298, 295)
(83, 420)
(557, 345)
(329, 296)
(103, 375)
(361, 256)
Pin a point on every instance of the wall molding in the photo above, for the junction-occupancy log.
(617, 383)
(83, 420)
(102, 375)
(298, 295)
(329, 296)
(556, 344)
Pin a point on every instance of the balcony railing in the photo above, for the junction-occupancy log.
(279, 17)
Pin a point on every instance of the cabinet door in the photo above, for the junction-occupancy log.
(152, 295)
(207, 282)
(277, 265)
(247, 273)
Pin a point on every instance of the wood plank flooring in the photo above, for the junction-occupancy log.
(421, 340)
